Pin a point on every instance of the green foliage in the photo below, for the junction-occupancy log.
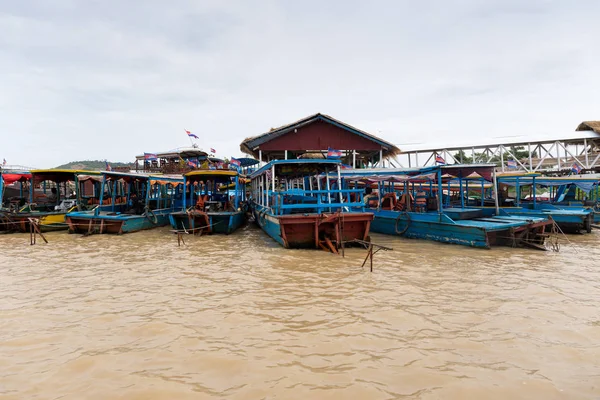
(93, 165)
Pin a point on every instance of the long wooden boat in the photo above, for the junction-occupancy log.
(128, 202)
(407, 203)
(291, 205)
(53, 193)
(571, 218)
(213, 203)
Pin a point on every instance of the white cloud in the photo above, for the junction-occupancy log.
(114, 79)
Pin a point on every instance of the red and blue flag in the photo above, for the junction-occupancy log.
(333, 153)
(190, 134)
(439, 159)
(576, 168)
(150, 156)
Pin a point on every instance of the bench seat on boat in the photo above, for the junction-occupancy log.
(463, 213)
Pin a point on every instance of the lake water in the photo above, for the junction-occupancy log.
(137, 317)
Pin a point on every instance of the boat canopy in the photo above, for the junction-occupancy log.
(222, 176)
(129, 177)
(297, 167)
(12, 178)
(58, 175)
(247, 162)
(585, 184)
(460, 171)
(183, 152)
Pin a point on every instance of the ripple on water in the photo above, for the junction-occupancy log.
(237, 316)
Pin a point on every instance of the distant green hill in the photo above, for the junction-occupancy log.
(99, 165)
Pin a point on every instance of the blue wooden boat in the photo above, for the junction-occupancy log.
(128, 202)
(214, 203)
(297, 207)
(407, 203)
(569, 218)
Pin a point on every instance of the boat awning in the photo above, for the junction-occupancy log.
(83, 178)
(584, 184)
(12, 178)
(388, 178)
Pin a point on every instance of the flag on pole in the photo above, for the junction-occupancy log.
(333, 153)
(511, 164)
(190, 134)
(192, 163)
(108, 167)
(150, 156)
(235, 161)
(439, 159)
(576, 168)
(212, 150)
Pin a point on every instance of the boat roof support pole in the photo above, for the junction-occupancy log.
(439, 179)
(339, 180)
(495, 191)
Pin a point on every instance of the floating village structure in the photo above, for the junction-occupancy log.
(322, 183)
(312, 136)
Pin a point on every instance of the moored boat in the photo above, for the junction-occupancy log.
(570, 218)
(407, 203)
(213, 203)
(128, 202)
(292, 205)
(52, 194)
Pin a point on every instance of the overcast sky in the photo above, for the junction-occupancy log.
(111, 79)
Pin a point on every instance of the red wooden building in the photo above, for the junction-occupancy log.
(312, 136)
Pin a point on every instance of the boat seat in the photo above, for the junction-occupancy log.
(421, 202)
(388, 202)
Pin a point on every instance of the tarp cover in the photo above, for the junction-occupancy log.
(12, 178)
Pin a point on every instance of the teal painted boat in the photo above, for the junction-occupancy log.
(128, 202)
(214, 203)
(557, 202)
(407, 203)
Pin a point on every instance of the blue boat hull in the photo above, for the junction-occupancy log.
(198, 223)
(108, 222)
(481, 232)
(572, 220)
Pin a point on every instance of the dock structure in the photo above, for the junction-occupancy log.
(313, 136)
(550, 155)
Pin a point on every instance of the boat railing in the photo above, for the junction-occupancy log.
(316, 200)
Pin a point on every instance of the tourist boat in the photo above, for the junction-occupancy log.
(128, 202)
(406, 202)
(177, 161)
(570, 218)
(292, 205)
(52, 193)
(213, 203)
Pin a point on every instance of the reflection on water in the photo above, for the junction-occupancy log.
(237, 316)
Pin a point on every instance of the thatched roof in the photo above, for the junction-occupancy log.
(250, 144)
(589, 126)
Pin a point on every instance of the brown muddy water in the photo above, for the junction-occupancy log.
(136, 317)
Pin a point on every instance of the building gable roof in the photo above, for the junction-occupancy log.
(249, 145)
